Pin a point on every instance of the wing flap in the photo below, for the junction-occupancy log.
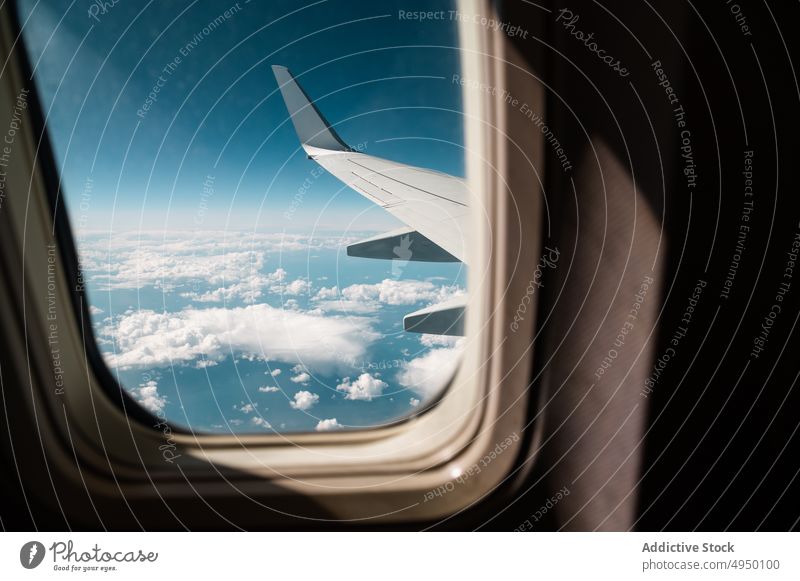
(402, 244)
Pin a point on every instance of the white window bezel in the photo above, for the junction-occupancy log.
(394, 466)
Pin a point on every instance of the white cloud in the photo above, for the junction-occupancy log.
(147, 395)
(429, 340)
(427, 375)
(399, 292)
(303, 378)
(95, 310)
(269, 389)
(303, 400)
(230, 260)
(328, 425)
(154, 266)
(296, 287)
(274, 372)
(261, 422)
(354, 307)
(327, 293)
(364, 388)
(367, 298)
(149, 339)
(248, 287)
(414, 402)
(247, 408)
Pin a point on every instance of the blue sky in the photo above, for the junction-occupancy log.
(214, 250)
(219, 113)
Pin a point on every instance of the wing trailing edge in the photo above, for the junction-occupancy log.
(403, 244)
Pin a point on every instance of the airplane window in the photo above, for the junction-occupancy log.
(266, 200)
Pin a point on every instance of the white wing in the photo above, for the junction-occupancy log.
(434, 205)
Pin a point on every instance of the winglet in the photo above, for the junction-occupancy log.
(312, 128)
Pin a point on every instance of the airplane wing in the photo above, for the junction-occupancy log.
(433, 205)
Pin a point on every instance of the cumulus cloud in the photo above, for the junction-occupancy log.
(366, 298)
(147, 395)
(438, 340)
(354, 307)
(149, 339)
(296, 287)
(326, 293)
(274, 372)
(260, 422)
(399, 292)
(96, 310)
(247, 408)
(428, 374)
(154, 266)
(413, 402)
(247, 287)
(303, 378)
(364, 388)
(269, 389)
(329, 299)
(303, 400)
(230, 260)
(328, 425)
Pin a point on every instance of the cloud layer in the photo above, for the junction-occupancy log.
(149, 339)
(231, 261)
(367, 298)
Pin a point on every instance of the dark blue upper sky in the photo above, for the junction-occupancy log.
(382, 81)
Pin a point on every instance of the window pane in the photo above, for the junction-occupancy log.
(213, 248)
